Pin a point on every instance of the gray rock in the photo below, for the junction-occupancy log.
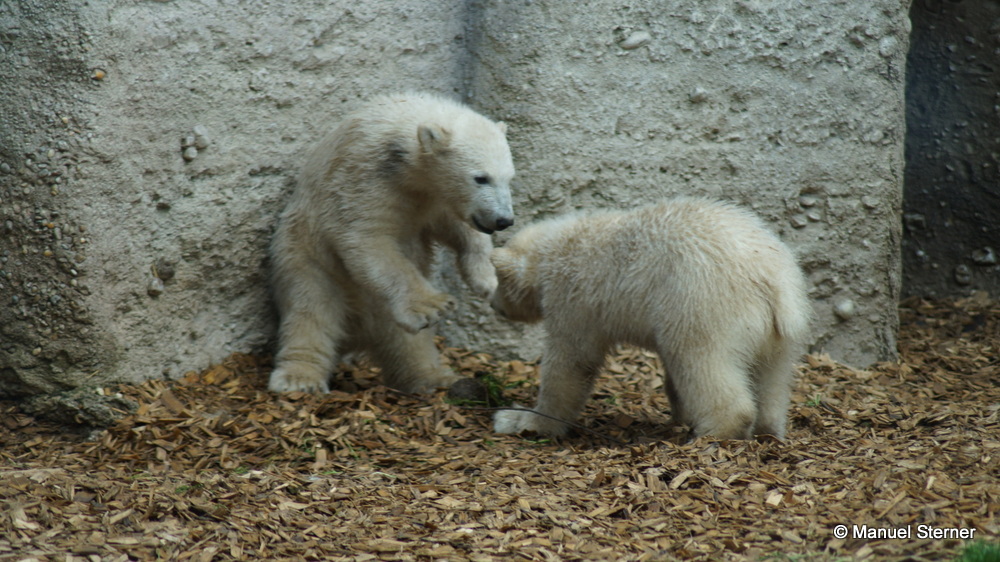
(86, 405)
(635, 40)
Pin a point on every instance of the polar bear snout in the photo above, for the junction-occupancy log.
(490, 208)
(493, 224)
(504, 222)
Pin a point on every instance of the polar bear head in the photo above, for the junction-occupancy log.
(518, 296)
(469, 161)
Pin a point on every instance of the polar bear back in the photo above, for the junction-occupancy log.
(690, 269)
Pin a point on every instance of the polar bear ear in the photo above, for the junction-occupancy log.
(503, 127)
(433, 138)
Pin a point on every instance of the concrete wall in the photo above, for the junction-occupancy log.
(952, 184)
(99, 101)
(794, 109)
(127, 254)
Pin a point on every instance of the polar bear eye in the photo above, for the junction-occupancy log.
(482, 179)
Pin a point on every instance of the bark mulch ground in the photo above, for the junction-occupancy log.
(214, 467)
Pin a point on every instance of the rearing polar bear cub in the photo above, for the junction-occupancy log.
(703, 283)
(354, 247)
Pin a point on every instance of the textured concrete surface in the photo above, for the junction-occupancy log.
(795, 110)
(147, 146)
(952, 183)
(146, 149)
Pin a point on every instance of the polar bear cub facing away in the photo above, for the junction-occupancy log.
(354, 247)
(702, 283)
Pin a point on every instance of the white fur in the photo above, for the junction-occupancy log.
(702, 283)
(355, 245)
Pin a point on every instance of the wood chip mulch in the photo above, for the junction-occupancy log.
(215, 467)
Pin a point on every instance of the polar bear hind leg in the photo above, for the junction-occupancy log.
(774, 374)
(713, 391)
(312, 323)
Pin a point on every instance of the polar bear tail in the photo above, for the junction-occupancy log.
(790, 307)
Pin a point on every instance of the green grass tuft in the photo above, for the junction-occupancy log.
(980, 551)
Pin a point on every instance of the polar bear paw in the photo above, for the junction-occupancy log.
(480, 276)
(424, 311)
(291, 379)
(518, 420)
(484, 284)
(511, 421)
(421, 383)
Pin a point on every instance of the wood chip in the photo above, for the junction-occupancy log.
(215, 467)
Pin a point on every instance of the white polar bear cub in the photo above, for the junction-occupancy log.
(354, 247)
(702, 283)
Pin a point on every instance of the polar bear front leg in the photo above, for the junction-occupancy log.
(567, 380)
(377, 262)
(472, 250)
(475, 266)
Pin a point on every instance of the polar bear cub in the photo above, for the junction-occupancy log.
(702, 283)
(354, 247)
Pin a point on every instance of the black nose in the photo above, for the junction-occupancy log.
(503, 223)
